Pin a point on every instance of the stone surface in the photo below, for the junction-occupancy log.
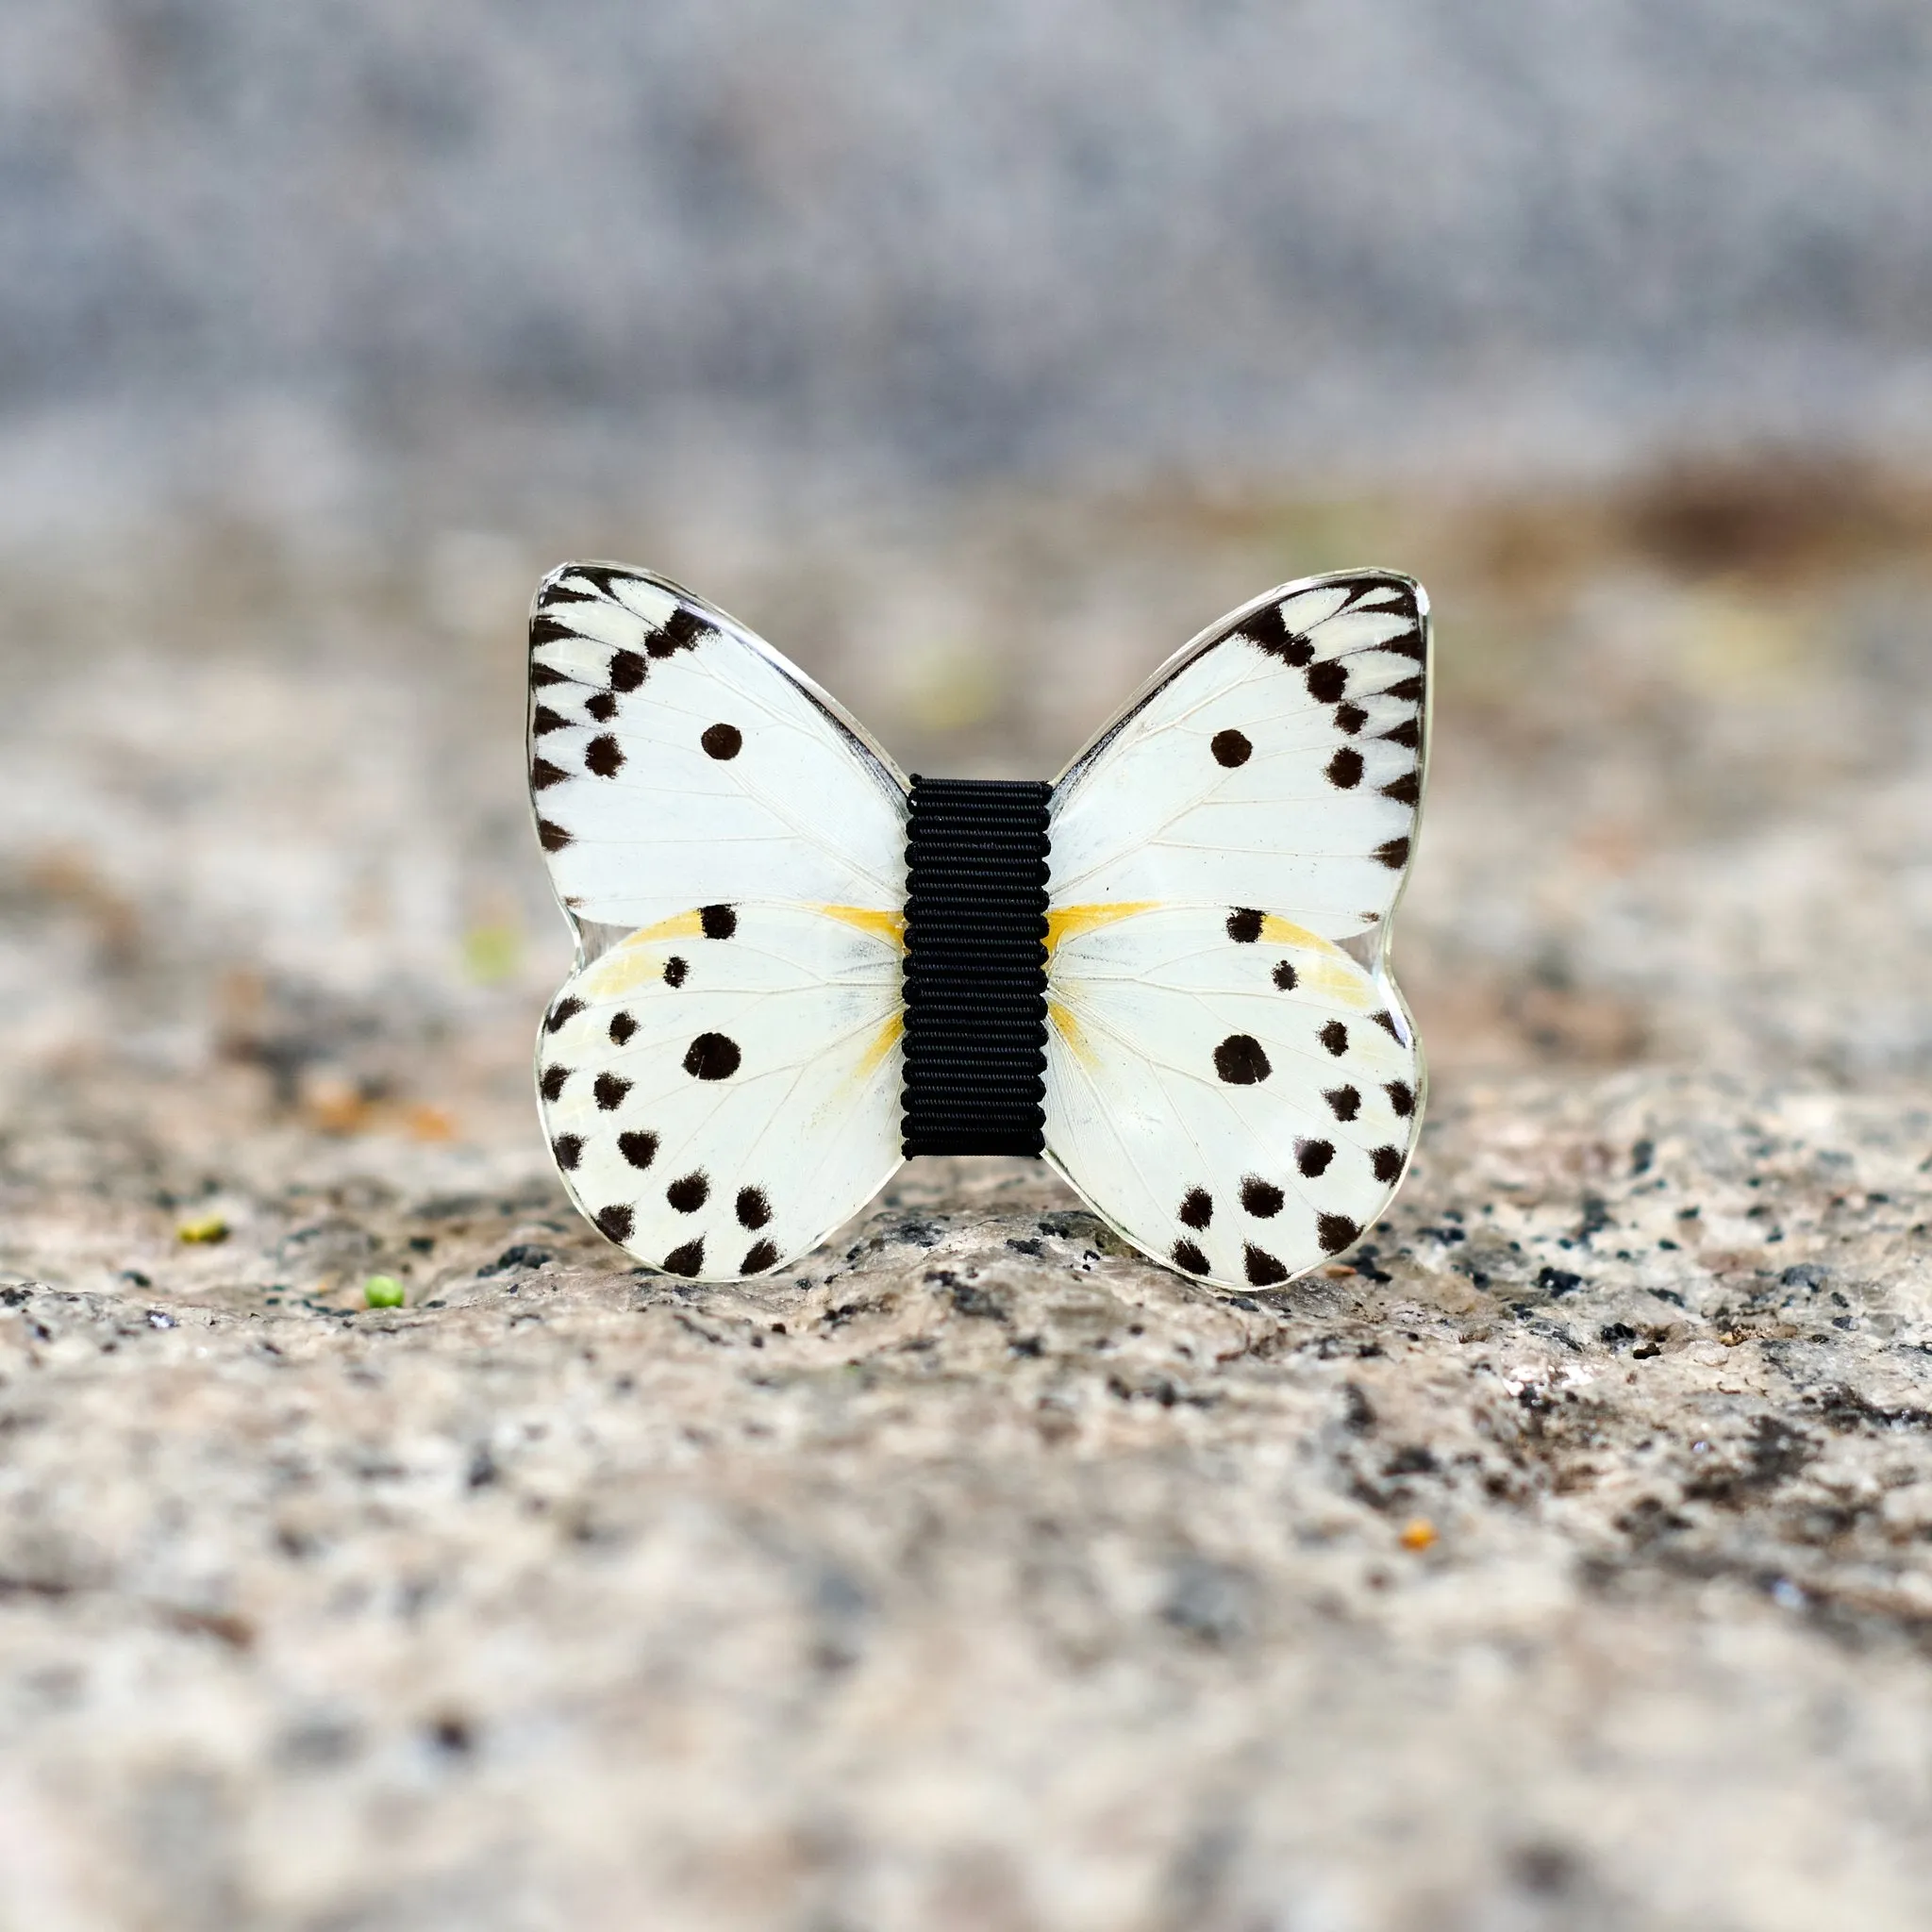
(1563, 1558)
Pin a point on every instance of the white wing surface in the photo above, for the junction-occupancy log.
(1277, 761)
(677, 760)
(722, 1088)
(1230, 1087)
(1231, 1091)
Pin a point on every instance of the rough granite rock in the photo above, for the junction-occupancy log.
(1561, 1560)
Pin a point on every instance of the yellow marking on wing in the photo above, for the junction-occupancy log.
(1332, 975)
(1060, 1017)
(1070, 921)
(887, 1038)
(887, 926)
(631, 962)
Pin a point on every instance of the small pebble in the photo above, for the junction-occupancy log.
(206, 1232)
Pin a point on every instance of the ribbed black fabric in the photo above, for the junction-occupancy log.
(975, 967)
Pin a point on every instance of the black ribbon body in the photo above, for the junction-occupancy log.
(975, 967)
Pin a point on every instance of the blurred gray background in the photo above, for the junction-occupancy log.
(378, 259)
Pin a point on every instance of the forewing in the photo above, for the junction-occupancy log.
(677, 760)
(1233, 1092)
(1277, 761)
(721, 1089)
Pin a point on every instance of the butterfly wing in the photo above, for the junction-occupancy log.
(1277, 761)
(721, 1085)
(1232, 1086)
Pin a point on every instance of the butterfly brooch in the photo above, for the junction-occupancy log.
(1167, 973)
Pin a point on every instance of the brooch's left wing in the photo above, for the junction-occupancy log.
(1232, 1079)
(720, 1086)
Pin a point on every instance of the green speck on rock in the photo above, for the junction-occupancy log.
(383, 1291)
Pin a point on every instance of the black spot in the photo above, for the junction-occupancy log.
(543, 774)
(610, 1090)
(562, 1013)
(552, 1084)
(604, 756)
(759, 1257)
(689, 1192)
(551, 838)
(1312, 1157)
(1327, 681)
(603, 706)
(711, 1057)
(544, 719)
(1407, 789)
(1266, 632)
(722, 741)
(615, 1222)
(542, 674)
(680, 631)
(1410, 646)
(1345, 768)
(1244, 925)
(569, 1149)
(1410, 691)
(1239, 1061)
(1185, 1254)
(1387, 1162)
(1197, 1207)
(1230, 748)
(1260, 1267)
(1408, 733)
(718, 922)
(638, 1149)
(1334, 1036)
(1344, 1103)
(754, 1210)
(1335, 1232)
(1394, 855)
(1401, 1097)
(546, 630)
(686, 1259)
(1262, 1199)
(603, 576)
(675, 969)
(1350, 718)
(1386, 1021)
(1285, 976)
(627, 670)
(621, 1027)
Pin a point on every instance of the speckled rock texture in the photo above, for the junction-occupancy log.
(1563, 1558)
